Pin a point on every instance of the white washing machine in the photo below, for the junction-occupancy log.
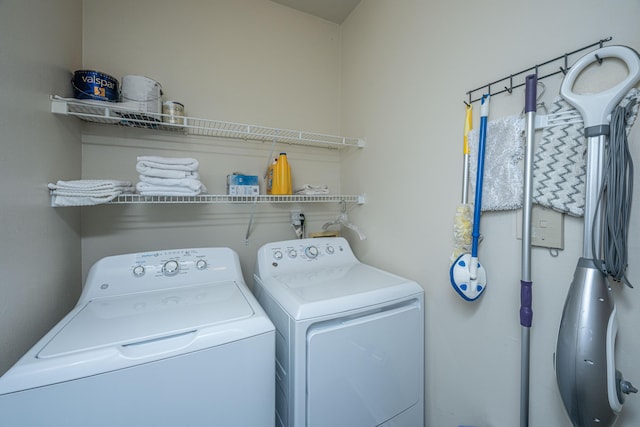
(167, 338)
(349, 337)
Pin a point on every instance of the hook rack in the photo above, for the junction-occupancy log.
(509, 89)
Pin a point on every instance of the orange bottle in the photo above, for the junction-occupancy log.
(281, 176)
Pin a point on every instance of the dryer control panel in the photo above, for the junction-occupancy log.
(292, 255)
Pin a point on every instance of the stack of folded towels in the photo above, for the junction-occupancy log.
(168, 176)
(308, 189)
(85, 192)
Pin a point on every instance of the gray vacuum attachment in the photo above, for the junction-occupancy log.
(592, 389)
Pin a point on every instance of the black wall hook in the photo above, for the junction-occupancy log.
(510, 88)
(566, 64)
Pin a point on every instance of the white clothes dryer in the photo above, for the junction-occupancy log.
(349, 337)
(166, 338)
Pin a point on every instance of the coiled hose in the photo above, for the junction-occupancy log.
(614, 200)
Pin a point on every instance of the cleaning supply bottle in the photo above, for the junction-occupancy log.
(281, 176)
(268, 177)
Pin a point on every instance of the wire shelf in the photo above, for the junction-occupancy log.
(212, 198)
(114, 114)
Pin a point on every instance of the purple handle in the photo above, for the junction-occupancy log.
(526, 296)
(531, 83)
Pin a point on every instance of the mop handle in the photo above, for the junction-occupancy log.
(468, 125)
(526, 311)
(484, 114)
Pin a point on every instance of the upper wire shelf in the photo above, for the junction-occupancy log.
(112, 113)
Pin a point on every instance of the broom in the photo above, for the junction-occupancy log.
(462, 223)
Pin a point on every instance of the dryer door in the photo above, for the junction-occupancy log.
(364, 370)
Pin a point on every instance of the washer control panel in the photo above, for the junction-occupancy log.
(168, 263)
(122, 274)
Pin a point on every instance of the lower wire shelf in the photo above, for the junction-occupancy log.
(212, 198)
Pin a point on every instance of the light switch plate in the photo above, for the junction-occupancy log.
(547, 227)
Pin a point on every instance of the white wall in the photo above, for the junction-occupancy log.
(406, 68)
(254, 62)
(40, 42)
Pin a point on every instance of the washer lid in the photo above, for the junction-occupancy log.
(140, 318)
(331, 290)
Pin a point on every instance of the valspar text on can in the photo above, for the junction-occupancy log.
(173, 112)
(90, 84)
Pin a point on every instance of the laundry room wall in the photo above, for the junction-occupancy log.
(407, 66)
(40, 251)
(395, 73)
(254, 62)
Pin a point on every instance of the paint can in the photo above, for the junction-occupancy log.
(173, 112)
(90, 84)
(142, 94)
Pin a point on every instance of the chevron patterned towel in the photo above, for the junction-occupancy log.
(560, 160)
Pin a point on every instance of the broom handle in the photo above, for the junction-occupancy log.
(526, 294)
(484, 114)
(468, 125)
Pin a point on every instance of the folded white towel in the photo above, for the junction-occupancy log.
(169, 193)
(101, 193)
(90, 185)
(165, 173)
(312, 189)
(63, 200)
(87, 192)
(191, 183)
(147, 189)
(170, 163)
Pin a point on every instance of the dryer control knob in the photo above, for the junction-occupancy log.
(138, 271)
(201, 264)
(277, 255)
(330, 250)
(293, 253)
(311, 251)
(171, 268)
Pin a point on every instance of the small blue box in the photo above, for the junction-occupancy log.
(242, 185)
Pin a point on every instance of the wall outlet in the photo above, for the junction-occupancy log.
(296, 217)
(297, 223)
(547, 227)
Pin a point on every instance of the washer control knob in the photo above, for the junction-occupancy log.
(171, 268)
(330, 250)
(201, 264)
(311, 251)
(292, 253)
(277, 255)
(138, 271)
